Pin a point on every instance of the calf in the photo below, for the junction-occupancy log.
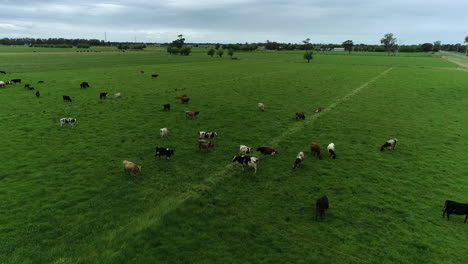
(267, 151)
(154, 75)
(164, 132)
(261, 107)
(117, 95)
(67, 98)
(38, 94)
(8, 83)
(163, 152)
(181, 96)
(315, 150)
(321, 206)
(84, 85)
(185, 100)
(452, 207)
(391, 143)
(300, 115)
(16, 81)
(246, 161)
(203, 134)
(202, 144)
(67, 120)
(131, 168)
(103, 95)
(189, 114)
(243, 149)
(167, 107)
(331, 150)
(299, 158)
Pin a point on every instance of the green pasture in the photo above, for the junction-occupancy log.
(65, 199)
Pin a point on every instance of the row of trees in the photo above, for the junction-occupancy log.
(177, 47)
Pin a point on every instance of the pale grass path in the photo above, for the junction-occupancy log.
(463, 65)
(171, 203)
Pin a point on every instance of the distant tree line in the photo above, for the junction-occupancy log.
(52, 41)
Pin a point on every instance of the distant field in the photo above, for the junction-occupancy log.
(65, 198)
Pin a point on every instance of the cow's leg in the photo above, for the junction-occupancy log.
(443, 214)
(466, 218)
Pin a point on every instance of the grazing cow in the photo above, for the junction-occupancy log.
(30, 88)
(131, 168)
(4, 72)
(189, 114)
(154, 75)
(267, 151)
(2, 84)
(452, 207)
(67, 98)
(202, 144)
(38, 94)
(181, 96)
(321, 206)
(315, 150)
(391, 143)
(243, 149)
(103, 95)
(164, 132)
(8, 83)
(299, 158)
(26, 86)
(300, 115)
(167, 107)
(67, 120)
(318, 110)
(261, 107)
(245, 160)
(16, 80)
(185, 100)
(331, 150)
(163, 152)
(40, 82)
(117, 95)
(84, 85)
(203, 134)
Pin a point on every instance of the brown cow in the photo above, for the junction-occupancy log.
(181, 96)
(300, 115)
(203, 144)
(185, 100)
(191, 114)
(315, 150)
(131, 168)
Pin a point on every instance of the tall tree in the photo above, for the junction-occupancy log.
(348, 45)
(436, 46)
(179, 42)
(389, 42)
(307, 44)
(466, 41)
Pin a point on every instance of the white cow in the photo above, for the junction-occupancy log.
(164, 132)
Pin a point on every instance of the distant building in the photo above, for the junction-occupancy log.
(338, 49)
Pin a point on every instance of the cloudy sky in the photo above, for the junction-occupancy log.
(228, 21)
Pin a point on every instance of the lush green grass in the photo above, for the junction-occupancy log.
(65, 198)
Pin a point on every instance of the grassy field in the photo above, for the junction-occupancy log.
(65, 198)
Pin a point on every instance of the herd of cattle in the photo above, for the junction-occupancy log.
(244, 159)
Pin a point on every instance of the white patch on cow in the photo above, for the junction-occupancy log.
(243, 149)
(331, 146)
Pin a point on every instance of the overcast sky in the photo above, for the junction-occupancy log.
(232, 21)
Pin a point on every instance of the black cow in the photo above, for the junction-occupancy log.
(163, 152)
(4, 72)
(103, 95)
(38, 94)
(40, 82)
(167, 107)
(67, 98)
(16, 80)
(154, 75)
(84, 85)
(30, 88)
(320, 206)
(267, 151)
(26, 86)
(452, 207)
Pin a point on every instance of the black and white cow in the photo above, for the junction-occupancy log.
(391, 143)
(38, 94)
(204, 134)
(84, 85)
(67, 120)
(67, 98)
(245, 160)
(331, 150)
(163, 152)
(452, 207)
